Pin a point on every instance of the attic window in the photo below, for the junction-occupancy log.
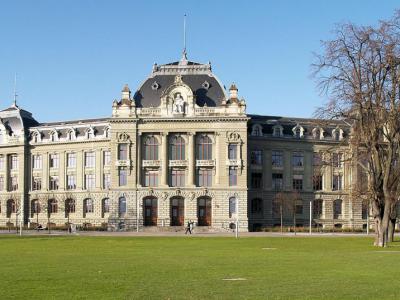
(155, 86)
(256, 130)
(206, 85)
(277, 131)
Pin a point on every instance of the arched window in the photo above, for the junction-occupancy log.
(336, 134)
(52, 206)
(69, 207)
(317, 208)
(256, 206)
(11, 207)
(35, 137)
(317, 133)
(105, 206)
(90, 133)
(71, 135)
(151, 148)
(88, 206)
(107, 132)
(337, 208)
(204, 148)
(122, 206)
(54, 136)
(232, 206)
(177, 148)
(35, 207)
(256, 130)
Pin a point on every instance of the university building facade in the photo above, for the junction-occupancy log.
(180, 148)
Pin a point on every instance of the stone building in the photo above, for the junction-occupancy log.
(180, 148)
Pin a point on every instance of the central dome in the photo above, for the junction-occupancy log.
(206, 87)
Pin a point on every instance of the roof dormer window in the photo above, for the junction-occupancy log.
(277, 131)
(298, 131)
(54, 136)
(90, 133)
(256, 130)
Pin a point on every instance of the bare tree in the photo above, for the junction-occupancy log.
(285, 206)
(360, 72)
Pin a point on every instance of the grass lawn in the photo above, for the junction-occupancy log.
(194, 268)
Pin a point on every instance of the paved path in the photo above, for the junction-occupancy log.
(181, 234)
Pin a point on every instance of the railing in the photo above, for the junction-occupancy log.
(205, 163)
(151, 163)
(178, 163)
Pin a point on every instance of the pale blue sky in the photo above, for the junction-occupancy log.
(73, 57)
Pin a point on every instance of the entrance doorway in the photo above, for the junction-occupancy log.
(177, 211)
(150, 211)
(204, 211)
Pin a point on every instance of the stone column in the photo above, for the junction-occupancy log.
(79, 169)
(164, 159)
(191, 159)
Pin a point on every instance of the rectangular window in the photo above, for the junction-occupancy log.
(123, 151)
(71, 182)
(232, 176)
(90, 159)
(37, 162)
(90, 181)
(2, 183)
(277, 181)
(36, 183)
(337, 182)
(256, 157)
(297, 159)
(106, 181)
(337, 160)
(151, 178)
(204, 177)
(317, 182)
(122, 175)
(297, 182)
(13, 183)
(232, 151)
(2, 165)
(54, 160)
(232, 207)
(71, 160)
(53, 184)
(277, 158)
(177, 177)
(299, 209)
(107, 158)
(317, 160)
(14, 162)
(256, 180)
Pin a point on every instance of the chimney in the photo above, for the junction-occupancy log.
(233, 92)
(126, 93)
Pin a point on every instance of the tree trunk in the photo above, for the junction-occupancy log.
(376, 225)
(383, 227)
(391, 229)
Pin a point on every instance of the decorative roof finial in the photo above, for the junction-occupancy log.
(183, 60)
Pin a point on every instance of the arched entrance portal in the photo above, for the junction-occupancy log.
(177, 211)
(150, 211)
(204, 211)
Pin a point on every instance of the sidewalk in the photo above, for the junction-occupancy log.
(182, 234)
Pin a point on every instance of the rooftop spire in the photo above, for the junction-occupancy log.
(15, 91)
(183, 60)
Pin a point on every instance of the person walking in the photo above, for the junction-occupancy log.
(189, 227)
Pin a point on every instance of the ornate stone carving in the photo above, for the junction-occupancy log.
(233, 137)
(123, 137)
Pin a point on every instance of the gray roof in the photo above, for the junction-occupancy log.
(17, 119)
(193, 74)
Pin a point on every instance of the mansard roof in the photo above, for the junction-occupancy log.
(288, 123)
(199, 77)
(17, 119)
